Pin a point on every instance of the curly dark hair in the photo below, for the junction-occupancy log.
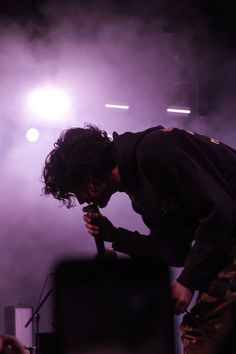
(77, 154)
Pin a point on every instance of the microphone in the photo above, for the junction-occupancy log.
(101, 251)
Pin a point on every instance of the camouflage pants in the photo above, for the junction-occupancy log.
(202, 326)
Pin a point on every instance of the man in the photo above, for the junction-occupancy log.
(184, 186)
(9, 344)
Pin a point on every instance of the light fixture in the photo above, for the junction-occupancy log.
(178, 110)
(32, 135)
(116, 106)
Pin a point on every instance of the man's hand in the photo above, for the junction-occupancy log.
(99, 225)
(182, 297)
(11, 345)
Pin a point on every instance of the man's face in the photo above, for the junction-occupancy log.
(90, 192)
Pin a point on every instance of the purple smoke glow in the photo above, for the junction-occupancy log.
(97, 56)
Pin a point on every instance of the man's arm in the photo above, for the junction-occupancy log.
(125, 241)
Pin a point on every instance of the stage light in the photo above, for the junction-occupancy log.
(32, 135)
(178, 110)
(116, 106)
(49, 103)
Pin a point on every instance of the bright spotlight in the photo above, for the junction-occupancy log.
(116, 106)
(49, 103)
(32, 135)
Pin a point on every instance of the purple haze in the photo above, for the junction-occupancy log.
(99, 57)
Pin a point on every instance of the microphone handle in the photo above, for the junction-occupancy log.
(100, 247)
(101, 251)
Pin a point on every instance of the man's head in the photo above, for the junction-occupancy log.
(80, 165)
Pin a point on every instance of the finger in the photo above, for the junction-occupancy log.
(92, 227)
(87, 218)
(93, 215)
(177, 311)
(180, 310)
(91, 218)
(89, 221)
(178, 306)
(93, 233)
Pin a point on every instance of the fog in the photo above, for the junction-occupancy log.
(99, 56)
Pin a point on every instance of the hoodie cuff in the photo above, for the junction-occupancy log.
(131, 243)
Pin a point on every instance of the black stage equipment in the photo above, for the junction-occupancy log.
(113, 306)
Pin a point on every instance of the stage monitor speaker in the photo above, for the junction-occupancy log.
(46, 343)
(15, 319)
(113, 306)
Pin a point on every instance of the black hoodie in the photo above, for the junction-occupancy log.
(184, 186)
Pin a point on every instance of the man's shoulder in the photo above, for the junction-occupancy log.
(166, 144)
(157, 137)
(153, 139)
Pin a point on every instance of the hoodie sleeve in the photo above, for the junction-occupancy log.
(205, 194)
(132, 243)
(136, 244)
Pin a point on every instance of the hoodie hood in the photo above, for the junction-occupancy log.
(124, 151)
